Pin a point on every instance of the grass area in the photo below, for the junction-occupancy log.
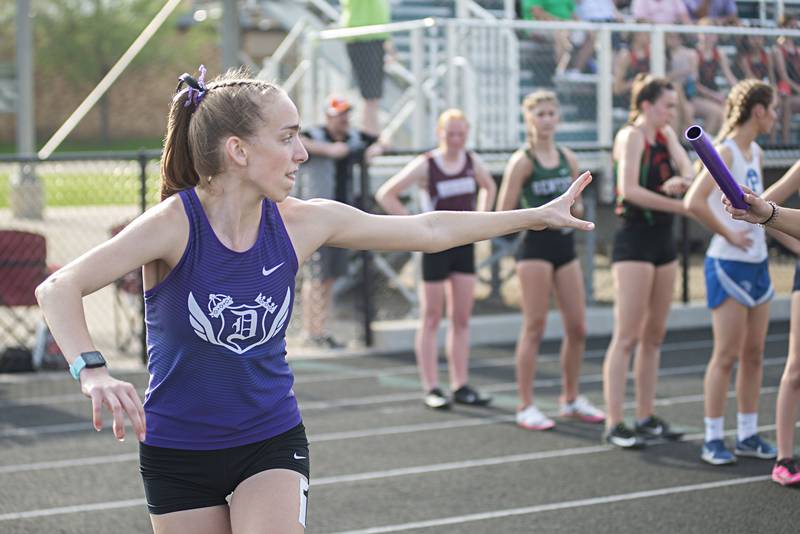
(94, 145)
(87, 189)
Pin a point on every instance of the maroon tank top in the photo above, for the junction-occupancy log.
(452, 192)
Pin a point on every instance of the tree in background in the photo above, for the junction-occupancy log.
(82, 39)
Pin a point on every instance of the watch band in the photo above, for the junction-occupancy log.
(90, 360)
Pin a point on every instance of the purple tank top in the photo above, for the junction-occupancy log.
(452, 192)
(216, 343)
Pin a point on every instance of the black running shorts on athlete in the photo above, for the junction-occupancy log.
(177, 479)
(643, 242)
(438, 266)
(552, 246)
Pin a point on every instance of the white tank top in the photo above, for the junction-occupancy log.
(746, 173)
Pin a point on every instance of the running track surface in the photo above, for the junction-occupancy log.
(381, 462)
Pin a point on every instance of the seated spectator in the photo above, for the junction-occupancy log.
(711, 62)
(721, 12)
(553, 10)
(660, 11)
(594, 11)
(628, 63)
(682, 72)
(756, 60)
(787, 68)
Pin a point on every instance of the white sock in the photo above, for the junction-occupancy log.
(714, 427)
(746, 425)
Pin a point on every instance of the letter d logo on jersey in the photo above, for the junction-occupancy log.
(237, 328)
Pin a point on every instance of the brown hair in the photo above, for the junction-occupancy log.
(232, 106)
(739, 104)
(532, 100)
(646, 88)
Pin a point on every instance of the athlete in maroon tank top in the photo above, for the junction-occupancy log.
(450, 178)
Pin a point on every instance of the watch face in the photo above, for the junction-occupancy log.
(93, 359)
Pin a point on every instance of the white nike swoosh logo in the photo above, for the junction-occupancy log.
(265, 272)
(299, 457)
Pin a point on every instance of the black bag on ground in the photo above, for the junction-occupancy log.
(16, 360)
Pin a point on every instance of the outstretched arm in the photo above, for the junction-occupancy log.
(315, 223)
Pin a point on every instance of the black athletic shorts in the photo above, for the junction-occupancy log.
(641, 242)
(178, 479)
(548, 245)
(796, 285)
(438, 266)
(366, 57)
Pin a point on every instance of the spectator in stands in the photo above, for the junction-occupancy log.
(721, 12)
(787, 68)
(553, 10)
(630, 61)
(366, 54)
(449, 178)
(711, 63)
(682, 72)
(334, 148)
(594, 11)
(757, 60)
(660, 11)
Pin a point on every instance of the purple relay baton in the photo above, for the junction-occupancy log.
(716, 167)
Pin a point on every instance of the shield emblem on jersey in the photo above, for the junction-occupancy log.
(241, 327)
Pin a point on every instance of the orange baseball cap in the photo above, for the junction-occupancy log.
(336, 105)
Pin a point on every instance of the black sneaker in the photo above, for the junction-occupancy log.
(468, 395)
(623, 437)
(656, 428)
(436, 400)
(325, 341)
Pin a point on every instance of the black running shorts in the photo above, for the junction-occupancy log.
(438, 266)
(796, 285)
(551, 246)
(642, 242)
(177, 479)
(366, 57)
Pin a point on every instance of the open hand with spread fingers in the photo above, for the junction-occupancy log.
(558, 211)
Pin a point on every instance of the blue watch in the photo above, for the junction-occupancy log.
(89, 360)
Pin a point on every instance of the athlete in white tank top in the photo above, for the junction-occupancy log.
(747, 173)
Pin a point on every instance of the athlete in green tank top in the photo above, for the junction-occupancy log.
(545, 183)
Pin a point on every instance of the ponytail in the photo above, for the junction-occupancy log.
(177, 166)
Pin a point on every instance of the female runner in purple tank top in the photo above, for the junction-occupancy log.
(222, 445)
(450, 179)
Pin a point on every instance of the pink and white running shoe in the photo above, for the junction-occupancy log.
(786, 472)
(532, 419)
(582, 409)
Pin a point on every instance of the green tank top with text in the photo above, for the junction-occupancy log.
(545, 183)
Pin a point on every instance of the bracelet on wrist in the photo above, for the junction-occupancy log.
(773, 215)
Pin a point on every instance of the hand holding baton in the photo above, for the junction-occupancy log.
(716, 167)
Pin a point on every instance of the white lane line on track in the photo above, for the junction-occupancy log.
(398, 370)
(77, 509)
(399, 397)
(372, 475)
(580, 503)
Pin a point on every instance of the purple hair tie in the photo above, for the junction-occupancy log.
(196, 88)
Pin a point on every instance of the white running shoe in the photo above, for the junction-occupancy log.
(532, 419)
(582, 409)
